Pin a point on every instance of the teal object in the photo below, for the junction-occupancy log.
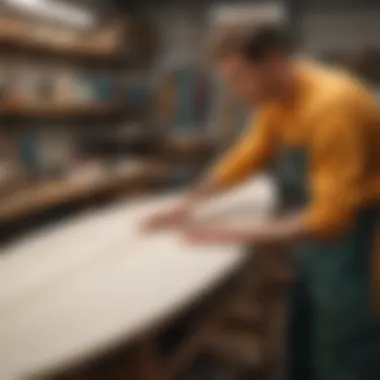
(138, 94)
(202, 97)
(192, 99)
(184, 117)
(28, 151)
(334, 332)
(103, 88)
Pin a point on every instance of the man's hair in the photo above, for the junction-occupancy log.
(254, 44)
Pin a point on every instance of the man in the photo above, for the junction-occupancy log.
(325, 124)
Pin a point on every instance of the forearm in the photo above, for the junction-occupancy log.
(202, 191)
(277, 231)
(286, 230)
(246, 158)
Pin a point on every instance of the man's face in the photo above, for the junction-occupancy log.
(249, 81)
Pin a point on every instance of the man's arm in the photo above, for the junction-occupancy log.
(337, 153)
(253, 151)
(247, 156)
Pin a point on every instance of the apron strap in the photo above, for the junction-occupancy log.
(376, 269)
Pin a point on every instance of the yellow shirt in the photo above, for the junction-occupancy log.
(337, 121)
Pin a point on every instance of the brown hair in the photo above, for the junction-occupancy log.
(252, 43)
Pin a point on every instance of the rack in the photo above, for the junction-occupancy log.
(56, 109)
(90, 66)
(20, 35)
(49, 194)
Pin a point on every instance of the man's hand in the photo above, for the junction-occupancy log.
(170, 217)
(274, 231)
(180, 214)
(218, 234)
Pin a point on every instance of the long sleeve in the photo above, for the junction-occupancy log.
(337, 164)
(250, 154)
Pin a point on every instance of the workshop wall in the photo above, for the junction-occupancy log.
(345, 30)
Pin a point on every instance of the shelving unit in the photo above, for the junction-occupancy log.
(48, 194)
(56, 109)
(65, 79)
(23, 41)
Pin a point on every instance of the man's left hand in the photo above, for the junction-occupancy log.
(219, 234)
(274, 231)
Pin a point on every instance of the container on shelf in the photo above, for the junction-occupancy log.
(82, 89)
(64, 84)
(56, 150)
(102, 87)
(6, 80)
(10, 26)
(106, 39)
(138, 90)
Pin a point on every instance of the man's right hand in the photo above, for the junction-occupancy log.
(180, 214)
(167, 218)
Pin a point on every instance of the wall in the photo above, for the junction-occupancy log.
(181, 31)
(350, 30)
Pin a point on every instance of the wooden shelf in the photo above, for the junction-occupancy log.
(51, 193)
(185, 148)
(22, 41)
(56, 109)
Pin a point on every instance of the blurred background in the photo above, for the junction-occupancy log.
(97, 95)
(105, 100)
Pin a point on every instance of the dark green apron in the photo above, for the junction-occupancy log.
(334, 333)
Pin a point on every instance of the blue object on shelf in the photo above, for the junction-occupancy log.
(202, 99)
(138, 94)
(28, 151)
(103, 88)
(184, 115)
(192, 95)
